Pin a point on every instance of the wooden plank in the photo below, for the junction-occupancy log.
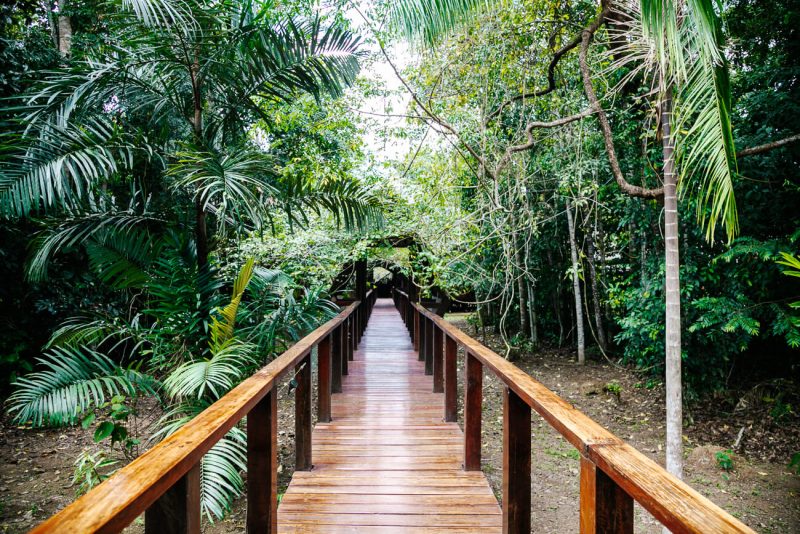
(516, 464)
(302, 415)
(115, 503)
(387, 460)
(262, 465)
(178, 510)
(473, 400)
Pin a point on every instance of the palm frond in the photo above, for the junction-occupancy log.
(62, 166)
(160, 13)
(71, 382)
(429, 20)
(222, 466)
(350, 203)
(213, 377)
(705, 136)
(223, 323)
(102, 224)
(234, 186)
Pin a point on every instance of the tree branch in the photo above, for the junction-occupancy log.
(605, 127)
(760, 149)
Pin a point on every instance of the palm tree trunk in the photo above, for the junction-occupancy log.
(673, 296)
(576, 286)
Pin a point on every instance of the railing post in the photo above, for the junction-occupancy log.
(516, 464)
(326, 370)
(438, 359)
(177, 511)
(417, 329)
(422, 333)
(302, 415)
(352, 345)
(605, 507)
(429, 333)
(450, 380)
(262, 465)
(345, 345)
(336, 360)
(473, 397)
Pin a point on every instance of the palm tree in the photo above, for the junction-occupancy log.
(181, 91)
(676, 45)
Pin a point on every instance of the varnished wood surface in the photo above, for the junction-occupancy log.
(115, 503)
(671, 501)
(388, 462)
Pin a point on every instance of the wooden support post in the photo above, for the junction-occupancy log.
(335, 344)
(326, 370)
(605, 507)
(262, 465)
(438, 360)
(516, 464)
(423, 323)
(351, 330)
(302, 415)
(429, 333)
(473, 397)
(450, 380)
(345, 345)
(417, 329)
(178, 510)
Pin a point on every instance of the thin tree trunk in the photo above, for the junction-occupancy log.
(64, 33)
(598, 314)
(673, 297)
(576, 286)
(522, 287)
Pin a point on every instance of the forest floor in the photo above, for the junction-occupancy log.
(36, 466)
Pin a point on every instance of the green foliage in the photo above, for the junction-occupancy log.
(72, 381)
(90, 470)
(724, 460)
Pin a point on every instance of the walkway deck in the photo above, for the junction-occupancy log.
(387, 462)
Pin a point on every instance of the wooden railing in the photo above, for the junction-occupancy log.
(612, 473)
(164, 482)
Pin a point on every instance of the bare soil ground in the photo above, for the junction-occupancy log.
(37, 465)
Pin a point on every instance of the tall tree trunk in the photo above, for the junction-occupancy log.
(64, 33)
(522, 286)
(673, 296)
(576, 286)
(598, 314)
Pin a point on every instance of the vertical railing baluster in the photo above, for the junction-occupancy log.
(473, 398)
(262, 465)
(351, 331)
(326, 370)
(302, 415)
(450, 380)
(605, 507)
(417, 329)
(345, 346)
(422, 333)
(336, 359)
(438, 359)
(516, 464)
(177, 511)
(429, 333)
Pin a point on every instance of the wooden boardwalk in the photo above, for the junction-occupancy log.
(388, 462)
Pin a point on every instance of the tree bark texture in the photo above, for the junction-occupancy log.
(576, 286)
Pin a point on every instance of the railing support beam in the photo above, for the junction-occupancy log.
(450, 380)
(516, 464)
(302, 415)
(326, 370)
(438, 359)
(262, 466)
(473, 398)
(178, 510)
(605, 507)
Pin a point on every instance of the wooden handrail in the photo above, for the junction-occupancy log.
(612, 472)
(133, 489)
